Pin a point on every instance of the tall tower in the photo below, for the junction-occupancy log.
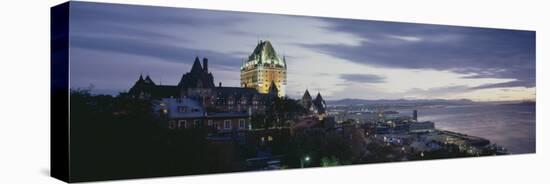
(262, 68)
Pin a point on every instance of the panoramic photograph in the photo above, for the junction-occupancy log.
(161, 91)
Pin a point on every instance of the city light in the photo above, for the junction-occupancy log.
(305, 159)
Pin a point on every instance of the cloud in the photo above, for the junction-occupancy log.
(437, 92)
(485, 52)
(120, 14)
(362, 78)
(161, 50)
(406, 38)
(516, 83)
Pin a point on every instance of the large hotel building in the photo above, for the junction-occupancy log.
(263, 68)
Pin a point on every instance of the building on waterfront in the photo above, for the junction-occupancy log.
(196, 99)
(425, 126)
(264, 67)
(198, 84)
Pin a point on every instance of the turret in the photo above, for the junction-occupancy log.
(205, 65)
(306, 100)
(319, 100)
(306, 96)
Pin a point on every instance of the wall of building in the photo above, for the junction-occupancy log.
(260, 78)
(219, 123)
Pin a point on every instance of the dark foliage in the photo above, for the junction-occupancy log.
(278, 111)
(317, 145)
(117, 137)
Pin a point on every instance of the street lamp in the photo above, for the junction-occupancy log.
(302, 160)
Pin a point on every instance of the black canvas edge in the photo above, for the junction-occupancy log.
(59, 92)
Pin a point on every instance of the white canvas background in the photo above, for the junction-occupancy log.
(24, 91)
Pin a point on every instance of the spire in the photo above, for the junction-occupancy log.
(284, 61)
(196, 68)
(307, 96)
(148, 80)
(319, 101)
(319, 98)
(140, 77)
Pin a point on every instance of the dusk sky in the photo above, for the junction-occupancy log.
(341, 58)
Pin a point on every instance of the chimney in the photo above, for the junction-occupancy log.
(205, 65)
(220, 85)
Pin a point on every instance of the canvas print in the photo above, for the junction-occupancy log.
(160, 91)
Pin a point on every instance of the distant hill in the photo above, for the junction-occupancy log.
(350, 101)
(520, 103)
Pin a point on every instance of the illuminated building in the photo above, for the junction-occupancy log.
(262, 68)
(198, 84)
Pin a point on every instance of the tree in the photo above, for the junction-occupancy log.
(120, 137)
(327, 162)
(280, 110)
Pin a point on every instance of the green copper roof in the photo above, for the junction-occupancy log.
(264, 53)
(265, 50)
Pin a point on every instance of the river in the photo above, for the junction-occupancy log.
(510, 126)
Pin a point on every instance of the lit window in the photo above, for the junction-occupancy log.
(182, 109)
(242, 124)
(187, 124)
(227, 124)
(181, 123)
(172, 124)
